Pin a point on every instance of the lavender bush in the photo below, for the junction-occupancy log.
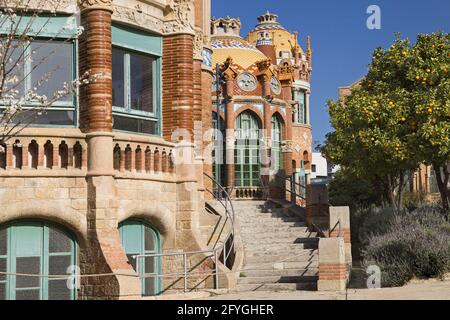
(416, 244)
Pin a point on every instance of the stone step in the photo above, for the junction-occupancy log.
(273, 229)
(313, 271)
(276, 279)
(312, 262)
(255, 252)
(299, 257)
(277, 286)
(279, 238)
(271, 224)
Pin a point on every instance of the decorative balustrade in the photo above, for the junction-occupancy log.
(44, 150)
(49, 151)
(139, 154)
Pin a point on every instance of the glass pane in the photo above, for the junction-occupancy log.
(150, 265)
(58, 290)
(59, 241)
(132, 260)
(150, 240)
(134, 125)
(16, 69)
(52, 66)
(2, 268)
(28, 265)
(2, 291)
(49, 117)
(27, 294)
(118, 83)
(58, 265)
(141, 82)
(150, 286)
(3, 242)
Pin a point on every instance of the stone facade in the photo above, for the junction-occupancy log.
(91, 178)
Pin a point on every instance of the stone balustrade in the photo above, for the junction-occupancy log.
(45, 149)
(140, 154)
(63, 152)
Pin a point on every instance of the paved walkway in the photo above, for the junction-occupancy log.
(418, 290)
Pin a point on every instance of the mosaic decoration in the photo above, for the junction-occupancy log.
(275, 85)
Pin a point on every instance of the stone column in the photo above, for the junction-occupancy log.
(229, 128)
(264, 79)
(340, 222)
(287, 152)
(104, 253)
(332, 268)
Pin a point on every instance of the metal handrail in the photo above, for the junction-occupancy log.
(293, 183)
(214, 253)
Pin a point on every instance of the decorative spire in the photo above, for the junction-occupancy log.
(308, 49)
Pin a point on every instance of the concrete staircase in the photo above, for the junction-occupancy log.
(280, 253)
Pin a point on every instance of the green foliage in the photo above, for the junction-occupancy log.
(346, 189)
(399, 114)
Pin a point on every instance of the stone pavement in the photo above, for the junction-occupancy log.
(416, 290)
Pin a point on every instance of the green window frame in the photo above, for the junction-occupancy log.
(59, 31)
(246, 153)
(136, 45)
(277, 137)
(136, 236)
(41, 248)
(300, 115)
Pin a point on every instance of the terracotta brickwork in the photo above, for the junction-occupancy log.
(332, 271)
(177, 81)
(95, 57)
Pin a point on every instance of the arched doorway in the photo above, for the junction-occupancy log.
(37, 248)
(141, 239)
(246, 152)
(277, 137)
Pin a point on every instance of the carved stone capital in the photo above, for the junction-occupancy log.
(137, 16)
(95, 4)
(179, 17)
(198, 45)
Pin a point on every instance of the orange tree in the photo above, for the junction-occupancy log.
(397, 117)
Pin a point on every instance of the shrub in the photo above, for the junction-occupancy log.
(416, 244)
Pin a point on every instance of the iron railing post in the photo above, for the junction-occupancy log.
(185, 271)
(216, 273)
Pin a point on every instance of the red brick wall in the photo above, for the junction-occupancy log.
(95, 56)
(177, 82)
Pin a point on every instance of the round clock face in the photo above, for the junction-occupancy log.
(275, 85)
(246, 81)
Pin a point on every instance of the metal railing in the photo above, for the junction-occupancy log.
(296, 189)
(219, 253)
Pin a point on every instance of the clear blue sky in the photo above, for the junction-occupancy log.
(341, 42)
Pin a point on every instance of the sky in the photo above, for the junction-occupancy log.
(342, 44)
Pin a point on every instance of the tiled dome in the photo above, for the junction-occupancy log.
(243, 53)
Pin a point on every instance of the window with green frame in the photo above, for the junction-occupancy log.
(36, 248)
(136, 80)
(300, 116)
(276, 154)
(141, 239)
(246, 152)
(43, 65)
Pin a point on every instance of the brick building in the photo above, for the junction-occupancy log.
(104, 195)
(265, 108)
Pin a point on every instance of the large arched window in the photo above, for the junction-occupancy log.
(246, 152)
(276, 155)
(141, 239)
(30, 251)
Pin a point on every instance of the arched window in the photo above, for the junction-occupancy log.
(36, 248)
(276, 155)
(246, 152)
(140, 239)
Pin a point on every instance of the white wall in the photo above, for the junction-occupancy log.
(321, 166)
